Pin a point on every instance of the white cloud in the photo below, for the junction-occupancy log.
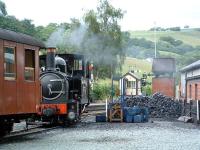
(140, 13)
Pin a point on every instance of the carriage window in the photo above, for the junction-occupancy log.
(29, 71)
(78, 64)
(9, 63)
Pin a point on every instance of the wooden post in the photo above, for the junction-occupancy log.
(198, 113)
(184, 105)
(190, 108)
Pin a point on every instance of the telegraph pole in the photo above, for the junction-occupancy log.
(155, 46)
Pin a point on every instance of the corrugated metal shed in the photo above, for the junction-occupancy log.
(192, 66)
(164, 65)
(20, 38)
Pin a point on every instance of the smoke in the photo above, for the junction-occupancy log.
(56, 38)
(92, 46)
(76, 37)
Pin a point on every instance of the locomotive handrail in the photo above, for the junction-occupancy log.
(54, 80)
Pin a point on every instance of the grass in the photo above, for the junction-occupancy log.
(190, 36)
(137, 64)
(169, 54)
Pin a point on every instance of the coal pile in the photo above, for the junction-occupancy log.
(159, 105)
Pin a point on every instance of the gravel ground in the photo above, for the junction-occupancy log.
(88, 135)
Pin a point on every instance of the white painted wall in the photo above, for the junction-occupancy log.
(193, 73)
(183, 84)
(130, 91)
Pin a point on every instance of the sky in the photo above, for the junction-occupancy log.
(140, 14)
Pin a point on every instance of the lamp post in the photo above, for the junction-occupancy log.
(155, 46)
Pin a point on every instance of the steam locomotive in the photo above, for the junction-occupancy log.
(65, 87)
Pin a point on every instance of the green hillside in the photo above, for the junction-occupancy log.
(139, 65)
(188, 36)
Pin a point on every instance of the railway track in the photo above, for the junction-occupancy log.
(96, 107)
(92, 109)
(34, 130)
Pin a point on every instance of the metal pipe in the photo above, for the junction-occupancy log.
(50, 59)
(106, 109)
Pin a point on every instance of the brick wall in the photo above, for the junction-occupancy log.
(193, 89)
(164, 85)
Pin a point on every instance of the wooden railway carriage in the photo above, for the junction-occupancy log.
(19, 77)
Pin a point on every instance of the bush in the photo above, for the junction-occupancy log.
(147, 90)
(100, 91)
(171, 40)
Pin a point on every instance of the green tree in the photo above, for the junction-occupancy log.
(44, 33)
(104, 37)
(28, 27)
(3, 10)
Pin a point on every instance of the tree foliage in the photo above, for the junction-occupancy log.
(171, 40)
(3, 11)
(104, 37)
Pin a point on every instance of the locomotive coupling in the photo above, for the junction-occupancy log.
(49, 112)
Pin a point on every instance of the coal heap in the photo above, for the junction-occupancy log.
(159, 105)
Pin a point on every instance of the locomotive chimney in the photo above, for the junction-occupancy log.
(50, 59)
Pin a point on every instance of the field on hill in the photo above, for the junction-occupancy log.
(188, 36)
(139, 65)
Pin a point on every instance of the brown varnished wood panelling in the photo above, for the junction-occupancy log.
(10, 97)
(29, 97)
(9, 43)
(37, 76)
(20, 78)
(1, 77)
(19, 96)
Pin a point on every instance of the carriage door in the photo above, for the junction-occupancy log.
(29, 80)
(9, 84)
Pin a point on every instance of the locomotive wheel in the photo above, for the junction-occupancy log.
(6, 128)
(2, 132)
(69, 123)
(53, 121)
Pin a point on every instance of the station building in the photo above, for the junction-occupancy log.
(131, 84)
(190, 82)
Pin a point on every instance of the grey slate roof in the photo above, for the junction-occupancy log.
(192, 66)
(20, 38)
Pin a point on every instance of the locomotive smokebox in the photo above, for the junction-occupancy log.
(50, 59)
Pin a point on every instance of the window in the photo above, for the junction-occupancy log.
(78, 64)
(131, 84)
(29, 70)
(9, 63)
